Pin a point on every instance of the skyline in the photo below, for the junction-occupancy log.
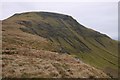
(102, 16)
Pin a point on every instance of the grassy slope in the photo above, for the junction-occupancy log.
(65, 35)
(32, 63)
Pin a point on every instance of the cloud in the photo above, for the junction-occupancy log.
(59, 0)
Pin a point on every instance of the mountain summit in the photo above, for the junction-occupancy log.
(60, 34)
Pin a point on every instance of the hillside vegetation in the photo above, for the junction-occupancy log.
(61, 34)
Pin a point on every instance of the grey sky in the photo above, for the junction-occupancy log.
(100, 16)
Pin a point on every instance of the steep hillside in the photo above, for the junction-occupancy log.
(63, 34)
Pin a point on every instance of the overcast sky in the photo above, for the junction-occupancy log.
(100, 16)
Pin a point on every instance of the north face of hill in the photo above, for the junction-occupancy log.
(62, 34)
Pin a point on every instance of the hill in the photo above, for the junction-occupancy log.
(61, 34)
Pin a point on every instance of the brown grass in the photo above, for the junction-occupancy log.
(40, 63)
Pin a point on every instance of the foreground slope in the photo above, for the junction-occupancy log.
(24, 63)
(63, 34)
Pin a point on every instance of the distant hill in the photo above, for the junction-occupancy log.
(61, 34)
